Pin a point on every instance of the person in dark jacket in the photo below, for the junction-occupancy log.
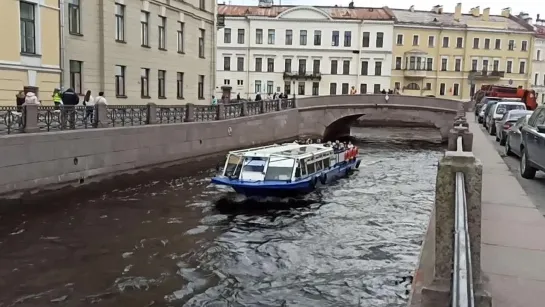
(258, 97)
(70, 98)
(20, 99)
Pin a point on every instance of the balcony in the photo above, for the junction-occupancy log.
(302, 75)
(415, 73)
(487, 75)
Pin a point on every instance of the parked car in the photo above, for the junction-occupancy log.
(513, 137)
(497, 111)
(533, 144)
(486, 110)
(508, 120)
(481, 107)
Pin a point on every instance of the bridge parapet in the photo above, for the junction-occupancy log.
(455, 228)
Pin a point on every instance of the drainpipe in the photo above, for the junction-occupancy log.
(213, 53)
(101, 47)
(61, 41)
(249, 57)
(464, 62)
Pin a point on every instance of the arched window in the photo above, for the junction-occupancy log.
(412, 86)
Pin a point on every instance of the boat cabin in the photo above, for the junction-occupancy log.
(286, 162)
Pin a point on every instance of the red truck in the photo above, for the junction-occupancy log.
(527, 96)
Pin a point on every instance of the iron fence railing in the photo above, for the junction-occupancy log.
(11, 120)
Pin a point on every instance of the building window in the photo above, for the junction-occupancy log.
(524, 46)
(258, 64)
(431, 41)
(376, 89)
(317, 38)
(119, 22)
(487, 43)
(227, 63)
(380, 40)
(538, 55)
(202, 5)
(287, 65)
(428, 86)
(474, 65)
(445, 42)
(144, 29)
(315, 88)
(316, 67)
(363, 88)
(74, 17)
(412, 87)
(335, 39)
(344, 88)
(511, 45)
(485, 65)
(444, 64)
(270, 37)
(334, 67)
(240, 64)
(398, 63)
(378, 68)
(75, 76)
(240, 82)
(144, 83)
(161, 75)
(28, 27)
(458, 65)
(259, 36)
(364, 68)
(301, 90)
(366, 39)
(289, 37)
(226, 81)
(302, 66)
(429, 64)
(459, 42)
(346, 67)
(522, 67)
(270, 65)
(497, 45)
(240, 36)
(257, 86)
(442, 89)
(303, 37)
(332, 88)
(415, 40)
(536, 77)
(270, 87)
(509, 67)
(287, 87)
(456, 89)
(496, 65)
(180, 37)
(227, 35)
(162, 33)
(200, 87)
(397, 85)
(347, 38)
(399, 40)
(476, 43)
(201, 43)
(119, 81)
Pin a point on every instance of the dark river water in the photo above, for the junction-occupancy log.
(183, 242)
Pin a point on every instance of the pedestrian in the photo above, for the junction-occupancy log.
(101, 99)
(31, 99)
(57, 100)
(258, 97)
(20, 100)
(89, 103)
(238, 97)
(70, 98)
(214, 101)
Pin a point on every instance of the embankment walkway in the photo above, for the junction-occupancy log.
(513, 233)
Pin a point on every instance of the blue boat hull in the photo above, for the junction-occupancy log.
(285, 189)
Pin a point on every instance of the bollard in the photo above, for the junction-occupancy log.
(244, 111)
(151, 118)
(190, 113)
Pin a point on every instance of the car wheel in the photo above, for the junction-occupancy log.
(497, 137)
(526, 170)
(503, 140)
(507, 148)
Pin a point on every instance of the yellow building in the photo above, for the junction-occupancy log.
(452, 54)
(29, 56)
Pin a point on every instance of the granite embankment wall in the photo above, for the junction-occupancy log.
(35, 161)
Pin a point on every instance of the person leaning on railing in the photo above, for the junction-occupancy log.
(20, 100)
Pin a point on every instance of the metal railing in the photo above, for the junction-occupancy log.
(462, 278)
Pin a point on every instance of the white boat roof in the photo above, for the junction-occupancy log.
(292, 150)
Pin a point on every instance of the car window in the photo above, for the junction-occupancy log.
(537, 118)
(504, 108)
(540, 120)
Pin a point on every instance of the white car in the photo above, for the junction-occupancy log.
(501, 108)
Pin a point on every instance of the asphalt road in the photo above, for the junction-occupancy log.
(534, 188)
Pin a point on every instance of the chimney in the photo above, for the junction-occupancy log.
(476, 11)
(438, 9)
(486, 14)
(506, 12)
(411, 8)
(458, 12)
(351, 4)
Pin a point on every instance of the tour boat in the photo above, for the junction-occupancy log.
(286, 169)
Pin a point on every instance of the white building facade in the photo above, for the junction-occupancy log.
(303, 50)
(538, 64)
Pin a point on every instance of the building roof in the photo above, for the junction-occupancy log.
(540, 31)
(430, 18)
(358, 13)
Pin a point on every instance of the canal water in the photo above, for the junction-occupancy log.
(183, 242)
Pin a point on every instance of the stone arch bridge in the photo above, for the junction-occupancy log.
(332, 116)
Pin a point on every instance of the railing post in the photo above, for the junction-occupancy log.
(244, 107)
(220, 109)
(278, 105)
(189, 112)
(152, 114)
(261, 106)
(102, 115)
(30, 113)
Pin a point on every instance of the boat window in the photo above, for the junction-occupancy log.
(256, 165)
(298, 172)
(319, 166)
(326, 163)
(303, 167)
(279, 168)
(311, 169)
(231, 165)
